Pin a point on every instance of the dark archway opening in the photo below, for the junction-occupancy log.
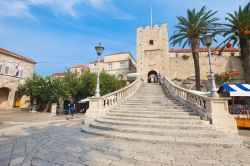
(152, 77)
(4, 95)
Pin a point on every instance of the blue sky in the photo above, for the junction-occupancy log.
(62, 33)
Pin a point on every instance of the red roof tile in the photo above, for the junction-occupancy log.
(16, 55)
(81, 66)
(204, 49)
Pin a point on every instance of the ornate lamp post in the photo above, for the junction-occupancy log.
(99, 50)
(207, 41)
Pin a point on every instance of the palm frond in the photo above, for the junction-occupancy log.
(238, 23)
(195, 24)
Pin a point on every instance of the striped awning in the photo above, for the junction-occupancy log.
(236, 89)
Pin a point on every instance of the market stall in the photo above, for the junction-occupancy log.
(239, 105)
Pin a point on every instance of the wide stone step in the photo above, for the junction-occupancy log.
(146, 97)
(228, 141)
(191, 120)
(159, 131)
(151, 98)
(154, 105)
(154, 116)
(152, 102)
(156, 112)
(151, 106)
(151, 109)
(171, 124)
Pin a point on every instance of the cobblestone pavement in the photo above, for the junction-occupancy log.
(15, 117)
(63, 143)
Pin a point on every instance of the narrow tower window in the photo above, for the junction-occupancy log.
(151, 42)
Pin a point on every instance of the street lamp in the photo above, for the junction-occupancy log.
(99, 50)
(207, 41)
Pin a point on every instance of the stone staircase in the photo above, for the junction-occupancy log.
(153, 115)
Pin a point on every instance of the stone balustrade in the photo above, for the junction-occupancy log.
(213, 109)
(99, 105)
(119, 95)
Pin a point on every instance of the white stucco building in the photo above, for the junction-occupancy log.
(117, 64)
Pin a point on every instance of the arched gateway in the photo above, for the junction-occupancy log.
(4, 95)
(152, 77)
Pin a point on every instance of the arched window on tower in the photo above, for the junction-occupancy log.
(151, 42)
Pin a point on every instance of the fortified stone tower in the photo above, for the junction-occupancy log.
(152, 50)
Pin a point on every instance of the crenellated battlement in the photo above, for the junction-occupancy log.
(155, 26)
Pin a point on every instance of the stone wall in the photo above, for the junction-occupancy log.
(203, 54)
(182, 69)
(10, 82)
(153, 54)
(152, 50)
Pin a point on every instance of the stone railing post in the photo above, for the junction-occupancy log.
(53, 109)
(95, 108)
(213, 109)
(219, 115)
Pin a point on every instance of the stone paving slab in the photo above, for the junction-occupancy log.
(61, 144)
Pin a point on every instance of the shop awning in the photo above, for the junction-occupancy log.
(236, 89)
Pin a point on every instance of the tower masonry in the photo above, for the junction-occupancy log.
(152, 51)
(154, 57)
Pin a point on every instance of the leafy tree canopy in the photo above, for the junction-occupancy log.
(49, 90)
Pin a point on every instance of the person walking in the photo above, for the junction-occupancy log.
(71, 109)
(159, 78)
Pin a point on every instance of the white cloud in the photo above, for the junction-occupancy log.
(22, 8)
(18, 8)
(66, 7)
(99, 4)
(14, 8)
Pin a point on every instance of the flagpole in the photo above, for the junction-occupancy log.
(151, 17)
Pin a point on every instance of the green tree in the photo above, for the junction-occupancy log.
(109, 83)
(71, 84)
(190, 29)
(45, 90)
(88, 85)
(238, 31)
(221, 78)
(50, 90)
(32, 86)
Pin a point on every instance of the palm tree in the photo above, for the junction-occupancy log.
(238, 31)
(189, 31)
